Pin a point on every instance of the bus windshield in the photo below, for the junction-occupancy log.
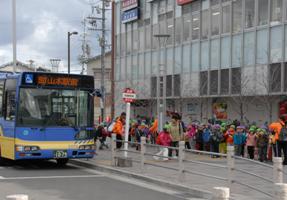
(53, 107)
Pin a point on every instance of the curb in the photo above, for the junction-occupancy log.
(194, 191)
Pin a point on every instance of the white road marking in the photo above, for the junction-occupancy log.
(49, 177)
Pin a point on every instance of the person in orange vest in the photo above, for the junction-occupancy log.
(118, 128)
(153, 130)
(276, 127)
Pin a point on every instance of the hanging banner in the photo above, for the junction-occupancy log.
(130, 15)
(182, 2)
(219, 110)
(129, 4)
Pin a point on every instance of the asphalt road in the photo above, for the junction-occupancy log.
(45, 181)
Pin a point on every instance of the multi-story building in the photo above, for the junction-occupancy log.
(223, 59)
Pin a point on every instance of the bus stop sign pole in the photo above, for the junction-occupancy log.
(129, 96)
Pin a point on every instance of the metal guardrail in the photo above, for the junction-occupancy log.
(231, 168)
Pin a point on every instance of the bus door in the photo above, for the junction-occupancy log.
(8, 122)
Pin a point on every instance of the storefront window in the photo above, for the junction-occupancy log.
(262, 12)
(262, 46)
(249, 48)
(237, 15)
(249, 13)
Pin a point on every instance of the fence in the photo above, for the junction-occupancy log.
(279, 191)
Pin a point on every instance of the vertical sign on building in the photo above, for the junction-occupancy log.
(129, 4)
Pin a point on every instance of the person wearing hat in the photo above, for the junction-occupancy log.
(176, 133)
(215, 138)
(276, 128)
(164, 139)
(238, 140)
(262, 143)
(251, 142)
(118, 129)
(229, 135)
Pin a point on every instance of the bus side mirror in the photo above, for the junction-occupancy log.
(97, 93)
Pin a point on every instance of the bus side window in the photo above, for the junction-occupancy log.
(1, 97)
(10, 99)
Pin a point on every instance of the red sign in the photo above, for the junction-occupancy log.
(182, 2)
(129, 95)
(129, 4)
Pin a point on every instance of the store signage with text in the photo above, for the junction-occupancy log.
(130, 15)
(182, 2)
(129, 4)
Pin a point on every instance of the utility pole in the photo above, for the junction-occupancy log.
(103, 45)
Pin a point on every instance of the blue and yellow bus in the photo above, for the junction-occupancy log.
(46, 116)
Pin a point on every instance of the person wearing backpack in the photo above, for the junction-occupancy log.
(282, 143)
(215, 138)
(206, 138)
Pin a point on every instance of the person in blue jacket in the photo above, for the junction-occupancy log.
(238, 140)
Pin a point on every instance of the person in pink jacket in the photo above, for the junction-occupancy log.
(164, 139)
(250, 143)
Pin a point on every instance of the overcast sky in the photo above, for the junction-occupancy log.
(42, 27)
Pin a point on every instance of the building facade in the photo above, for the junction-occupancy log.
(223, 59)
(94, 68)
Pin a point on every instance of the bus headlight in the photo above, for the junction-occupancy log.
(86, 147)
(27, 148)
(19, 148)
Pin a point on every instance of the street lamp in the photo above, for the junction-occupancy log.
(69, 35)
(161, 80)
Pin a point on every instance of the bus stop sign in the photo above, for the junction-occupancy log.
(129, 95)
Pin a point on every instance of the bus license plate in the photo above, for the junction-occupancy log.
(60, 154)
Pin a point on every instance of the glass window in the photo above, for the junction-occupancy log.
(215, 17)
(195, 6)
(135, 40)
(129, 42)
(154, 13)
(249, 13)
(214, 2)
(155, 64)
(141, 38)
(186, 59)
(176, 85)
(249, 48)
(153, 86)
(224, 81)
(226, 18)
(170, 28)
(213, 83)
(123, 44)
(214, 63)
(204, 4)
(169, 85)
(286, 44)
(204, 24)
(148, 64)
(129, 67)
(195, 26)
(1, 96)
(236, 51)
(204, 56)
(237, 15)
(275, 77)
(276, 44)
(154, 39)
(262, 12)
(195, 57)
(262, 46)
(141, 66)
(225, 52)
(54, 107)
(276, 11)
(178, 31)
(169, 60)
(147, 10)
(118, 70)
(148, 37)
(177, 60)
(162, 23)
(236, 81)
(135, 68)
(123, 68)
(203, 81)
(186, 27)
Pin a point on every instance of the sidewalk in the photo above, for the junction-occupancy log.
(200, 183)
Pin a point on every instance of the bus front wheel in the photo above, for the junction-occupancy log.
(62, 161)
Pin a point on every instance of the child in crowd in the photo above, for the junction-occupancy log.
(250, 143)
(164, 139)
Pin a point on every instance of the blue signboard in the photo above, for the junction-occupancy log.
(29, 78)
(130, 15)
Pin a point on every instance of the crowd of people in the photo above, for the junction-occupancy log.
(250, 141)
